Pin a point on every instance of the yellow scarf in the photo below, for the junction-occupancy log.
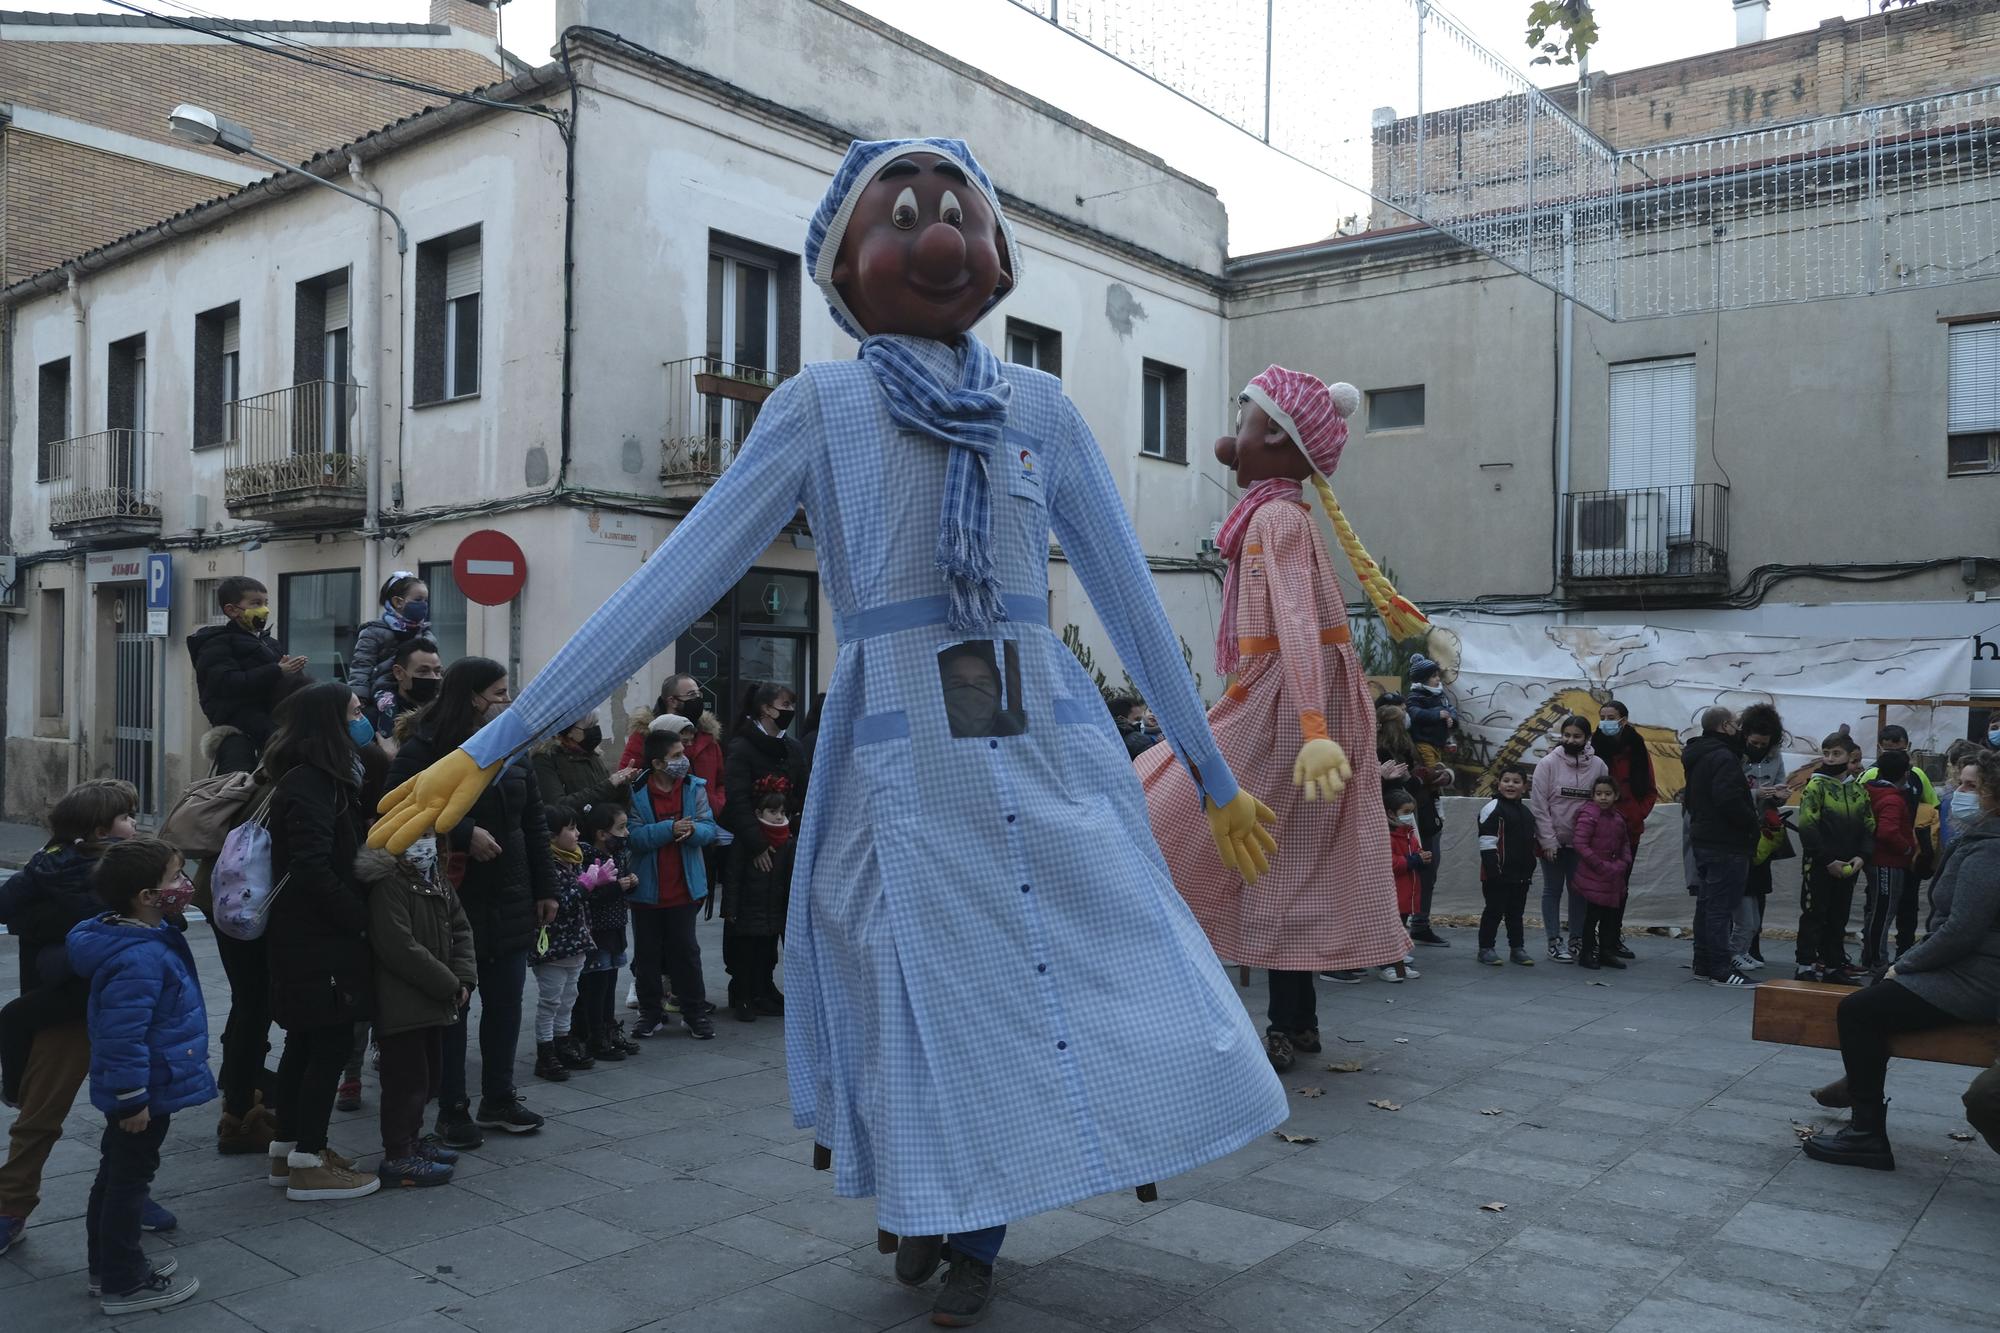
(573, 857)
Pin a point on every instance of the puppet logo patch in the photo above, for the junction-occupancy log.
(1025, 478)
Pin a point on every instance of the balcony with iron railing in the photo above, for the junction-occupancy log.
(711, 405)
(1650, 541)
(104, 487)
(290, 455)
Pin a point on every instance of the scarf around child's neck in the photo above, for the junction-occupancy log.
(567, 855)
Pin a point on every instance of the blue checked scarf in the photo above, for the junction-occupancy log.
(968, 416)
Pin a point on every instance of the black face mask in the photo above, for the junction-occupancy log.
(593, 737)
(692, 709)
(422, 689)
(1574, 747)
(1755, 749)
(785, 716)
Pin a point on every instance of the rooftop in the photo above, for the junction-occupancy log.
(36, 19)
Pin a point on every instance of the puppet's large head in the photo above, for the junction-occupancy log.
(910, 239)
(1289, 424)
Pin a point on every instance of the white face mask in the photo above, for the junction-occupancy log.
(1964, 804)
(1409, 821)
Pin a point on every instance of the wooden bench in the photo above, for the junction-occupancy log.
(1800, 1013)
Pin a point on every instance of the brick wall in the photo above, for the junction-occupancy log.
(61, 199)
(293, 110)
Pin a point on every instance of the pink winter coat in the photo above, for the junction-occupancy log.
(1560, 789)
(1603, 855)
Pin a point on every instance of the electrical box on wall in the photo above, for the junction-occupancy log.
(198, 512)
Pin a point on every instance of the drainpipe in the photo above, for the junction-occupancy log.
(1565, 376)
(371, 337)
(82, 683)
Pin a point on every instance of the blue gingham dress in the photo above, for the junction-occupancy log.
(996, 1002)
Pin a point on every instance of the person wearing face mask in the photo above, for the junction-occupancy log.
(1764, 769)
(322, 974)
(415, 673)
(1959, 807)
(762, 759)
(240, 675)
(1837, 830)
(669, 824)
(1723, 828)
(1564, 779)
(406, 615)
(499, 857)
(571, 770)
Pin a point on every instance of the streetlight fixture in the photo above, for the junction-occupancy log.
(199, 125)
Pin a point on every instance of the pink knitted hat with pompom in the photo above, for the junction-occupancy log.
(1305, 408)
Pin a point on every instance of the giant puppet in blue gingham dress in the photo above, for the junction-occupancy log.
(997, 1004)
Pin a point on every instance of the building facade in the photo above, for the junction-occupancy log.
(595, 293)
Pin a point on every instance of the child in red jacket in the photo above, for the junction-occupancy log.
(1408, 859)
(1603, 874)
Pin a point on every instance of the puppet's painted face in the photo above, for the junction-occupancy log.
(922, 255)
(1260, 449)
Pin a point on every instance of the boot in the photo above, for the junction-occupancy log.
(1587, 959)
(251, 1133)
(570, 1051)
(548, 1065)
(917, 1257)
(1834, 1095)
(1865, 1141)
(623, 1042)
(603, 1046)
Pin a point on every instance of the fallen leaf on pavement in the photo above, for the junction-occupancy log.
(1804, 1131)
(1492, 1207)
(1962, 1138)
(1296, 1138)
(1344, 1067)
(1386, 1106)
(1491, 1110)
(1310, 1092)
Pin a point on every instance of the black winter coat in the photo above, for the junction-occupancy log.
(237, 675)
(321, 972)
(499, 895)
(754, 900)
(1722, 815)
(40, 903)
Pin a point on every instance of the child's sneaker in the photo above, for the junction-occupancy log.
(507, 1113)
(1559, 952)
(432, 1149)
(1390, 974)
(455, 1128)
(632, 996)
(699, 1025)
(154, 1217)
(348, 1096)
(1307, 1041)
(1490, 957)
(155, 1293)
(316, 1176)
(413, 1172)
(649, 1028)
(164, 1268)
(1350, 976)
(1521, 956)
(12, 1231)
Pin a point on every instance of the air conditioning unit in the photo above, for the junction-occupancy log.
(1618, 534)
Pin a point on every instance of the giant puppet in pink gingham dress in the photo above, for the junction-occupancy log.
(1329, 899)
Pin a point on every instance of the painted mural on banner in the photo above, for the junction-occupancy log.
(1518, 681)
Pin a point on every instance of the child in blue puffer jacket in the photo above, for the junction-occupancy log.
(148, 1058)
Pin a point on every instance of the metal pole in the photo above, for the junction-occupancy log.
(1423, 12)
(1565, 378)
(1528, 175)
(1269, 5)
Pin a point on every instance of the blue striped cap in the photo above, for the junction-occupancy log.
(866, 157)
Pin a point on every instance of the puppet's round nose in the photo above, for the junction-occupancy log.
(1225, 451)
(940, 254)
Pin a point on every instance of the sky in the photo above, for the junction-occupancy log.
(1014, 45)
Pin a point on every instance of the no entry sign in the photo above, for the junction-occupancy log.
(489, 568)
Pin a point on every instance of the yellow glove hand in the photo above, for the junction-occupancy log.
(1242, 838)
(436, 798)
(1322, 769)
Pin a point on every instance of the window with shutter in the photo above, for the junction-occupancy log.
(1973, 415)
(1652, 433)
(461, 271)
(334, 315)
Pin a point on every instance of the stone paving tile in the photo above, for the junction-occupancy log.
(761, 1310)
(1209, 1234)
(349, 1299)
(1848, 1240)
(1115, 1254)
(1091, 1296)
(574, 1234)
(785, 1246)
(1667, 1314)
(873, 1298)
(482, 1261)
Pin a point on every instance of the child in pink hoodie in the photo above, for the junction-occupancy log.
(1603, 874)
(1560, 791)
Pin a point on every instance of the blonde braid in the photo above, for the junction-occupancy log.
(1399, 616)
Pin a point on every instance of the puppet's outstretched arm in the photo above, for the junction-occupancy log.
(706, 554)
(1089, 520)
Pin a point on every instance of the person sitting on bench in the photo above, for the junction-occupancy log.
(1953, 976)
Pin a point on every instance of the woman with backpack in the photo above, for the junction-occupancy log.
(499, 858)
(322, 980)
